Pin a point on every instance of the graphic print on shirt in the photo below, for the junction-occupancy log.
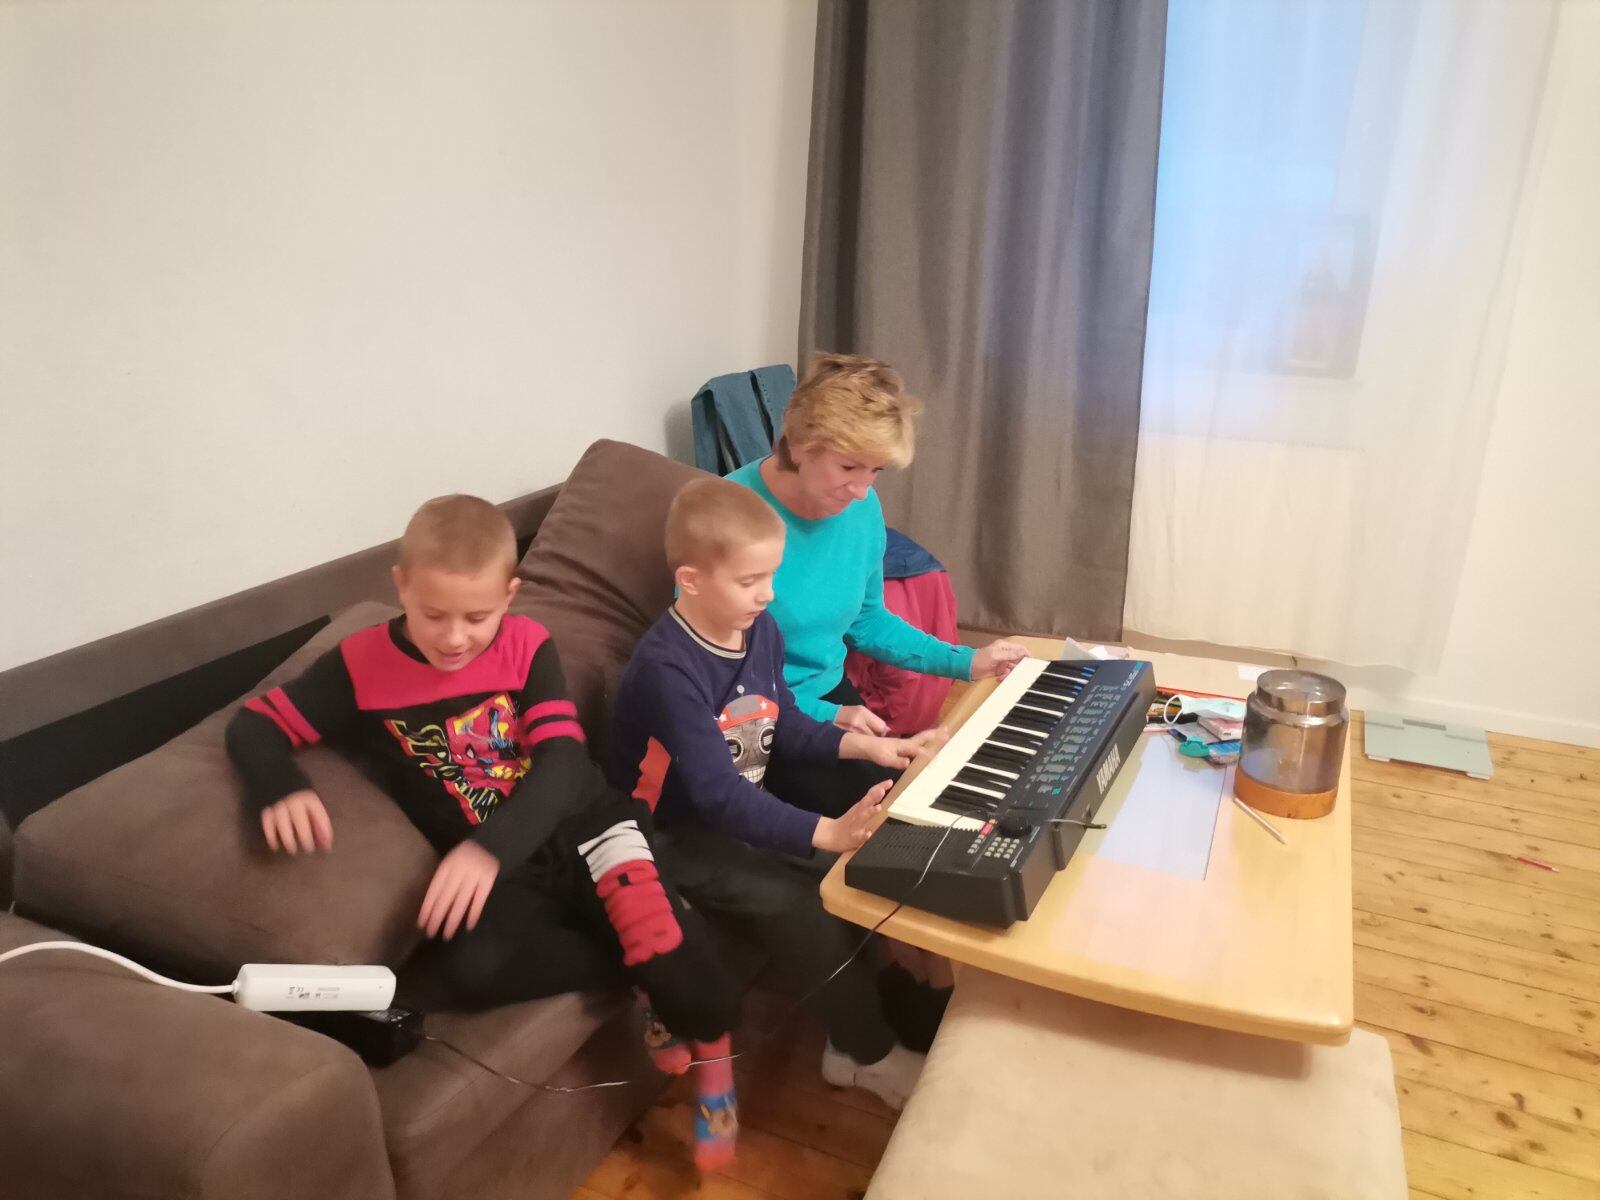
(749, 724)
(474, 755)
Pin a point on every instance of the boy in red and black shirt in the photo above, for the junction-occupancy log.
(548, 881)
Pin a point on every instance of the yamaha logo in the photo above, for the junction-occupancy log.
(1108, 769)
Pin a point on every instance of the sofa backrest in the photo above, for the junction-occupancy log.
(596, 574)
(160, 858)
(73, 716)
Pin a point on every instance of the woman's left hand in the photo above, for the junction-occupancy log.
(858, 718)
(997, 659)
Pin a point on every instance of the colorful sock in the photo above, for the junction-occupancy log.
(716, 1118)
(667, 1050)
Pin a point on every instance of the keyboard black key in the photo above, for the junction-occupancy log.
(997, 776)
(1008, 754)
(1047, 713)
(1034, 728)
(1025, 744)
(1029, 719)
(1040, 707)
(961, 808)
(1063, 671)
(981, 781)
(1040, 700)
(958, 791)
(1023, 737)
(984, 758)
(1055, 687)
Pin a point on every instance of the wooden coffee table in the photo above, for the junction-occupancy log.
(1261, 945)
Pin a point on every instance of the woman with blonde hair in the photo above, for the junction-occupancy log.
(848, 420)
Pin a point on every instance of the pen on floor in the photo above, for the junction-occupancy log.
(1260, 820)
(1534, 862)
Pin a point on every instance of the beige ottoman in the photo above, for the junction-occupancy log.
(1031, 1093)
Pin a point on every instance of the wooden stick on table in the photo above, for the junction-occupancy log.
(1260, 820)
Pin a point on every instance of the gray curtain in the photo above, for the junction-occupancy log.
(979, 215)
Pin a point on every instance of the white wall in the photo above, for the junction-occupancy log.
(273, 273)
(1523, 652)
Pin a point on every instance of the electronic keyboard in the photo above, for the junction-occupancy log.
(990, 819)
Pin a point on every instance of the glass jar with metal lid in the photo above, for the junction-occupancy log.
(1293, 745)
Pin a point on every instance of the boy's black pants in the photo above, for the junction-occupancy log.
(776, 904)
(562, 924)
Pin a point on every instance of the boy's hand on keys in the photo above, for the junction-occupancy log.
(297, 822)
(849, 831)
(458, 891)
(899, 753)
(858, 718)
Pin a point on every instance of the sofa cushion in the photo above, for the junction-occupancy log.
(115, 1088)
(159, 857)
(437, 1106)
(596, 575)
(440, 1109)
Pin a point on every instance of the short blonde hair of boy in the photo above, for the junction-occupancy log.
(462, 535)
(711, 519)
(851, 404)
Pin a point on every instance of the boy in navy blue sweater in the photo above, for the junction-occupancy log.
(700, 712)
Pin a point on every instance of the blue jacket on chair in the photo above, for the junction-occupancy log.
(737, 417)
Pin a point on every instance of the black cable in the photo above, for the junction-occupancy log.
(760, 1040)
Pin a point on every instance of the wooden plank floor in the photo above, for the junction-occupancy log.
(1481, 972)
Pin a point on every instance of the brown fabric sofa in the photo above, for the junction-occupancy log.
(113, 1087)
(5, 862)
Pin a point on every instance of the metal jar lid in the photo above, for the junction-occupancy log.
(1302, 692)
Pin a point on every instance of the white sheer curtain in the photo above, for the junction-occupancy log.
(1336, 206)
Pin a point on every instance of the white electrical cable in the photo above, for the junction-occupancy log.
(760, 1038)
(225, 990)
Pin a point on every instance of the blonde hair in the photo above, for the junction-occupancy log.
(851, 404)
(459, 534)
(711, 518)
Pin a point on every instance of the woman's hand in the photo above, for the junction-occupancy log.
(858, 718)
(997, 659)
(849, 831)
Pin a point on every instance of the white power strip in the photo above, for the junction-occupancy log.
(267, 987)
(292, 987)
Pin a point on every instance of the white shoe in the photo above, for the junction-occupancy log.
(891, 1078)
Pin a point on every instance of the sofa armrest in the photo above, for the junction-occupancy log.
(111, 1086)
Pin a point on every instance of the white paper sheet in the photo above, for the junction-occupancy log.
(1161, 812)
